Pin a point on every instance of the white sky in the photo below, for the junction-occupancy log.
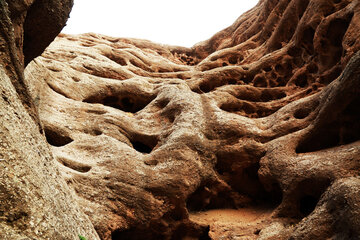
(174, 22)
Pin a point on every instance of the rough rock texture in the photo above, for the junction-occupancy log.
(35, 202)
(263, 117)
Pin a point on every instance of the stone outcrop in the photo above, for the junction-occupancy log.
(263, 117)
(35, 202)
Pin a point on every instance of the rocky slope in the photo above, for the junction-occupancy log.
(252, 134)
(35, 202)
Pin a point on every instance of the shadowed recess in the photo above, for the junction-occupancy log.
(127, 103)
(56, 138)
(144, 143)
(344, 129)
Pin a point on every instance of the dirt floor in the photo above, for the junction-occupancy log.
(244, 223)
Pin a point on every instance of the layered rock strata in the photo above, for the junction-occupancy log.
(263, 117)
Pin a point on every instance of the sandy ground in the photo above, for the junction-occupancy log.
(236, 224)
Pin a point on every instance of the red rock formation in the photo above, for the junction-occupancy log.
(263, 117)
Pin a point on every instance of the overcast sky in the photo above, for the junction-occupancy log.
(174, 22)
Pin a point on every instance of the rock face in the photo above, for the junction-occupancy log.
(263, 117)
(35, 202)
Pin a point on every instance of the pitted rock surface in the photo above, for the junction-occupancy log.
(264, 115)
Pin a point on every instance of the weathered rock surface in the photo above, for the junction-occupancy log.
(263, 117)
(35, 202)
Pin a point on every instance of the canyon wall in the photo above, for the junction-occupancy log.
(263, 118)
(35, 202)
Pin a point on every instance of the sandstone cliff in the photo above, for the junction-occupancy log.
(35, 202)
(160, 142)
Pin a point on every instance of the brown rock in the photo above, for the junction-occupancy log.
(264, 115)
(35, 202)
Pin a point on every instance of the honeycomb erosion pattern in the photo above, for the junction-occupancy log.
(264, 115)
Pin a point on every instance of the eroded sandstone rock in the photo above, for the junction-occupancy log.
(263, 116)
(35, 202)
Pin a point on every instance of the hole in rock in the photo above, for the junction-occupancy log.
(302, 113)
(272, 83)
(141, 147)
(267, 69)
(93, 132)
(281, 81)
(260, 82)
(232, 82)
(233, 60)
(206, 87)
(270, 94)
(120, 61)
(248, 108)
(231, 107)
(112, 101)
(307, 204)
(266, 96)
(124, 103)
(128, 104)
(247, 78)
(144, 144)
(301, 81)
(55, 138)
(210, 84)
(163, 103)
(214, 58)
